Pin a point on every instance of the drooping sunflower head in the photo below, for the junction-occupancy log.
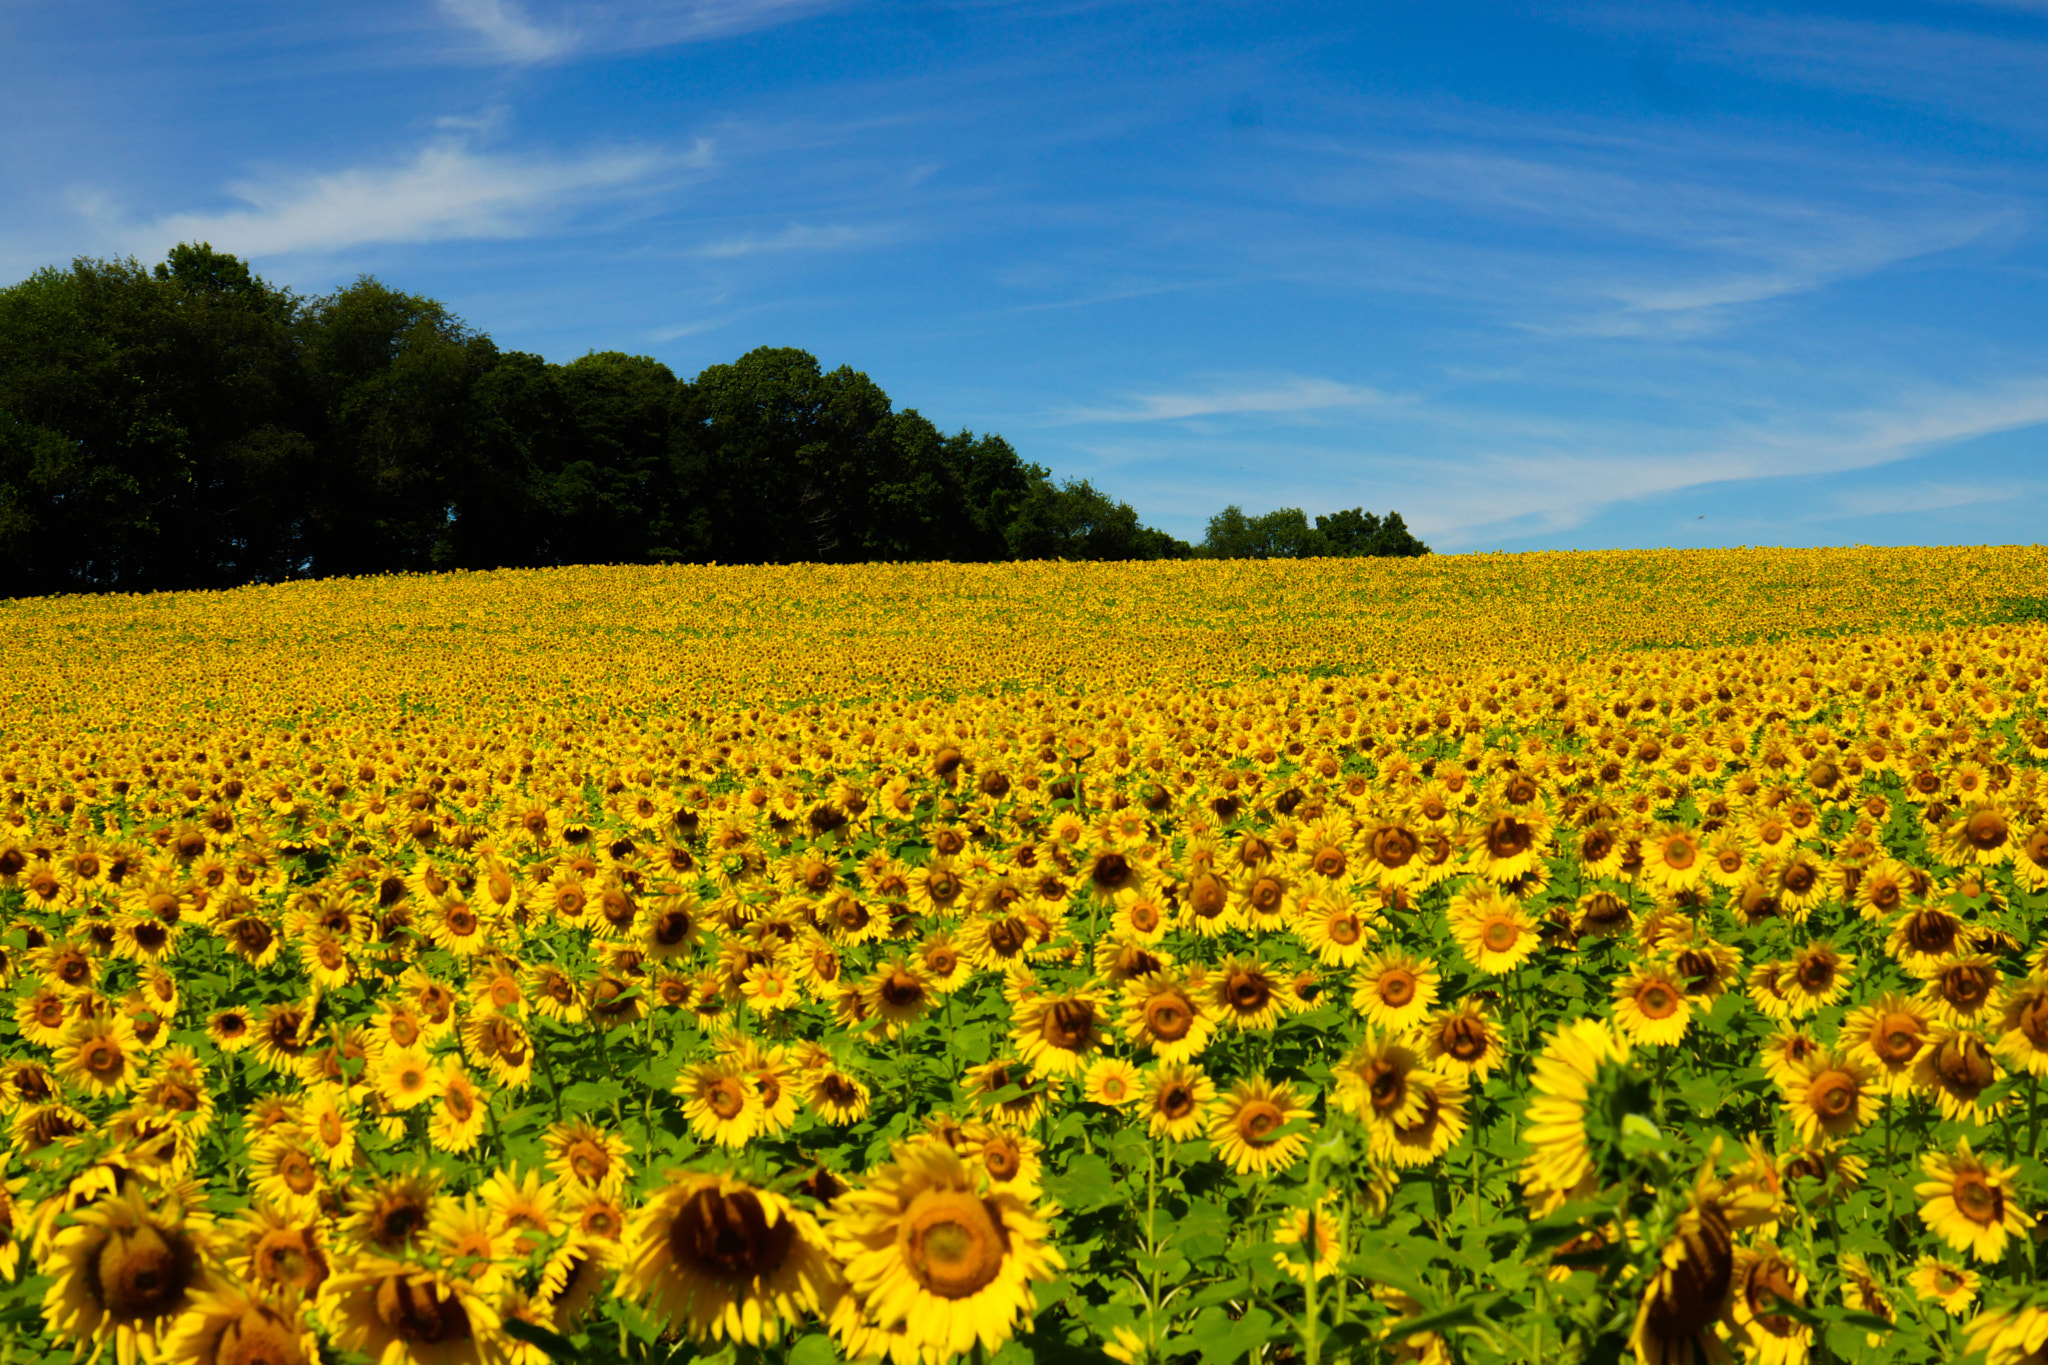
(125, 1270)
(722, 1259)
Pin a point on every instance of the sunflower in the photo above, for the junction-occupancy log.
(1177, 1098)
(1111, 1081)
(1246, 1126)
(896, 996)
(1958, 1068)
(1689, 1294)
(1266, 899)
(836, 1097)
(390, 1214)
(393, 1310)
(2012, 1335)
(1765, 1281)
(1570, 1066)
(1952, 1287)
(1055, 1035)
(283, 1171)
(1862, 1293)
(1009, 1161)
(1832, 1094)
(461, 1110)
(99, 1055)
(1436, 1123)
(1006, 1094)
(405, 1077)
(278, 1256)
(1888, 1037)
(1924, 936)
(1816, 976)
(586, 1159)
(1968, 1202)
(1673, 860)
(720, 1102)
(1651, 1007)
(124, 1272)
(935, 1266)
(1492, 930)
(1960, 990)
(1395, 991)
(1465, 1041)
(1334, 929)
(504, 1045)
(1506, 844)
(1245, 993)
(1317, 1230)
(1163, 1015)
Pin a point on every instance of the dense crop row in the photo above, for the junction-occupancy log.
(632, 964)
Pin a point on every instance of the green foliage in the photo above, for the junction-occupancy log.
(1285, 533)
(195, 426)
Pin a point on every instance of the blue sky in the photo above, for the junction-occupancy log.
(1539, 276)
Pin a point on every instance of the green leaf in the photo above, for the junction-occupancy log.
(1462, 1314)
(814, 1348)
(1087, 1183)
(557, 1346)
(1222, 1340)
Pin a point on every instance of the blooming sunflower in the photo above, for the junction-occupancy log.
(1395, 991)
(1968, 1202)
(230, 1326)
(1888, 1036)
(2023, 1025)
(1689, 1294)
(1952, 1287)
(394, 1310)
(1055, 1035)
(1111, 1081)
(1832, 1094)
(2013, 1335)
(1312, 1239)
(1436, 1122)
(720, 1258)
(933, 1264)
(1651, 1006)
(1765, 1281)
(586, 1158)
(1465, 1041)
(1958, 1068)
(1817, 976)
(1246, 1126)
(720, 1102)
(124, 1272)
(1163, 1015)
(1492, 930)
(99, 1055)
(1177, 1098)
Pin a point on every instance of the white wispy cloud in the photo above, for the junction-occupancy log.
(506, 32)
(802, 237)
(518, 33)
(1300, 394)
(444, 192)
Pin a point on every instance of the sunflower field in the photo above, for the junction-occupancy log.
(1599, 957)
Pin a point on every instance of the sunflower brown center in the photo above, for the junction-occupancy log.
(287, 1257)
(1499, 934)
(1657, 1000)
(1896, 1038)
(1394, 847)
(1397, 986)
(1248, 991)
(953, 1245)
(1177, 1100)
(1833, 1094)
(143, 1272)
(1207, 896)
(1689, 1297)
(420, 1312)
(1966, 986)
(1977, 1199)
(728, 1236)
(1258, 1121)
(1069, 1025)
(1964, 1067)
(1985, 830)
(1169, 1016)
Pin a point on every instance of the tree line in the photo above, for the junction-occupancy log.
(192, 425)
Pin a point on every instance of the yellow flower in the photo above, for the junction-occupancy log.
(1651, 1007)
(124, 1273)
(393, 1310)
(1969, 1202)
(721, 1259)
(1246, 1127)
(1831, 1095)
(1395, 991)
(1935, 1281)
(1177, 1099)
(934, 1265)
(1492, 930)
(1565, 1072)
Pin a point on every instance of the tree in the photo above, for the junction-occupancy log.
(1075, 520)
(1286, 534)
